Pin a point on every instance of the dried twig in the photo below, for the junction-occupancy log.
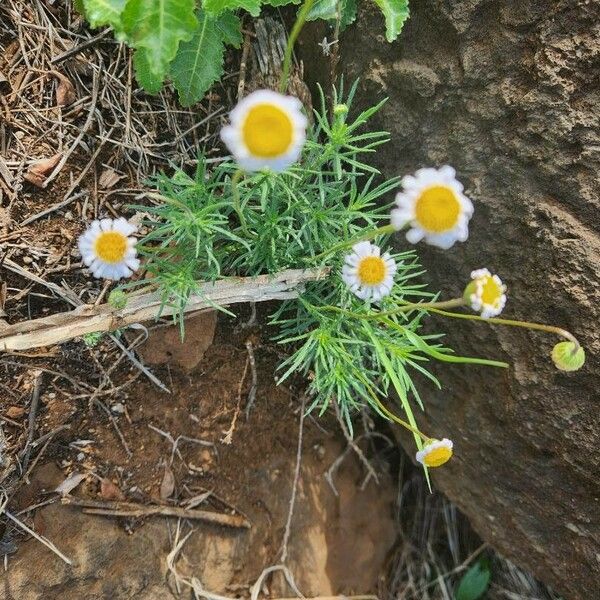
(35, 401)
(31, 532)
(131, 509)
(228, 437)
(254, 384)
(288, 524)
(85, 319)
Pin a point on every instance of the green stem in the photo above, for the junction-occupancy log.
(235, 193)
(287, 58)
(406, 308)
(385, 230)
(393, 417)
(512, 323)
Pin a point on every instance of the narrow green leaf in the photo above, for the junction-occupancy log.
(218, 6)
(156, 28)
(396, 13)
(103, 12)
(230, 27)
(474, 582)
(199, 62)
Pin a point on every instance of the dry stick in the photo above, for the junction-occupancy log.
(86, 319)
(228, 437)
(70, 297)
(80, 48)
(352, 443)
(35, 401)
(253, 385)
(131, 509)
(288, 525)
(53, 208)
(243, 67)
(31, 532)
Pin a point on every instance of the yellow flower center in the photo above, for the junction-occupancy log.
(267, 131)
(111, 246)
(437, 209)
(438, 456)
(491, 291)
(371, 270)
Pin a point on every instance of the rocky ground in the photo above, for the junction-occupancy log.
(167, 424)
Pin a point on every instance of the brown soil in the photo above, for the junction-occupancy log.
(251, 476)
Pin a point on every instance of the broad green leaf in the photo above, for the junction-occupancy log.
(230, 27)
(349, 10)
(395, 12)
(218, 6)
(144, 74)
(474, 582)
(328, 11)
(103, 12)
(199, 62)
(156, 28)
(323, 9)
(280, 2)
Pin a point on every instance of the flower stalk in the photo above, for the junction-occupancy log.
(512, 323)
(296, 29)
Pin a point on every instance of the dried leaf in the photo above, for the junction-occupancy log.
(15, 412)
(197, 500)
(70, 483)
(108, 178)
(110, 491)
(167, 487)
(38, 171)
(65, 92)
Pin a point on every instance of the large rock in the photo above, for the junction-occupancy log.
(508, 94)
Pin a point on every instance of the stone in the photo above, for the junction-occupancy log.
(165, 346)
(513, 103)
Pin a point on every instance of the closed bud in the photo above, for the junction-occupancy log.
(568, 356)
(340, 109)
(117, 299)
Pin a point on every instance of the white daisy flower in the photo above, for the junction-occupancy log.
(434, 206)
(107, 249)
(267, 130)
(435, 453)
(368, 274)
(485, 293)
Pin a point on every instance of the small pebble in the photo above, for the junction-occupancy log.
(118, 408)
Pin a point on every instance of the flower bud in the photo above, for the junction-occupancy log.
(567, 356)
(340, 109)
(117, 299)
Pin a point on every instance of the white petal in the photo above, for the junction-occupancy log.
(415, 235)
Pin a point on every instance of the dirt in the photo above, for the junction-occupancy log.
(509, 97)
(339, 539)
